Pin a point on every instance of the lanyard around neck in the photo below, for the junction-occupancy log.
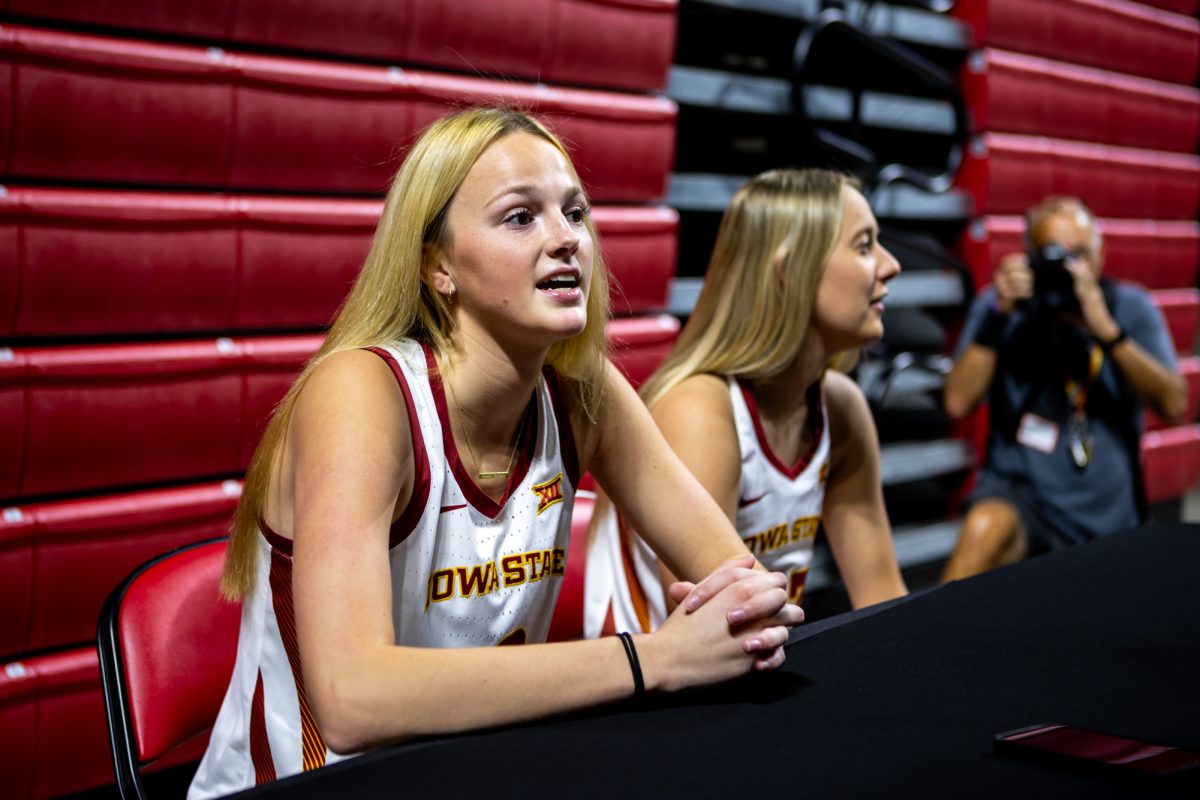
(1077, 391)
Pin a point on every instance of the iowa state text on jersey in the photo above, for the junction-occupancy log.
(483, 579)
(782, 535)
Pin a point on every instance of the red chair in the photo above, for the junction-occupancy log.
(167, 642)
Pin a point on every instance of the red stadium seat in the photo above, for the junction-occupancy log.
(118, 262)
(180, 115)
(271, 366)
(298, 257)
(121, 415)
(117, 415)
(52, 725)
(567, 622)
(1172, 462)
(1189, 368)
(310, 125)
(16, 579)
(1158, 255)
(1014, 93)
(70, 724)
(620, 43)
(13, 367)
(640, 246)
(1111, 34)
(604, 131)
(10, 271)
(85, 547)
(207, 19)
(18, 718)
(1007, 173)
(481, 36)
(167, 643)
(153, 113)
(639, 344)
(8, 40)
(59, 560)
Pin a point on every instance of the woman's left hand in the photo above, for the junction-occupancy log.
(763, 605)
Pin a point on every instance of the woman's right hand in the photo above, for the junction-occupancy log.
(1013, 281)
(701, 646)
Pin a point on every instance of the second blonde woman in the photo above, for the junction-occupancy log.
(751, 399)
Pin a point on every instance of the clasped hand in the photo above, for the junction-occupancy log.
(759, 612)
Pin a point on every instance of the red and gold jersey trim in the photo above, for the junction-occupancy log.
(313, 744)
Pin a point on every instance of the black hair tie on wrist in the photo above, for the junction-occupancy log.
(1108, 346)
(639, 684)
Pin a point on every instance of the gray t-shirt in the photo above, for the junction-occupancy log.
(1030, 379)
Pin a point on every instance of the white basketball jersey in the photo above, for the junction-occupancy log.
(778, 514)
(466, 572)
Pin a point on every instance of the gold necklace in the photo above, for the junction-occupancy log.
(485, 476)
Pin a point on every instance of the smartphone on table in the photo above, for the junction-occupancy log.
(1068, 745)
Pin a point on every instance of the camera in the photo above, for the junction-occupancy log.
(1053, 285)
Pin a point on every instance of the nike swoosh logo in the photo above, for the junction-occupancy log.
(749, 501)
(452, 508)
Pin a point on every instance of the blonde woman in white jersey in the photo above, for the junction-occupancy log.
(412, 493)
(749, 401)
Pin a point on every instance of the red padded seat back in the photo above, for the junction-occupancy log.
(152, 112)
(72, 752)
(1172, 462)
(206, 19)
(201, 117)
(1118, 35)
(633, 39)
(86, 546)
(640, 247)
(102, 262)
(1158, 254)
(109, 262)
(299, 258)
(1018, 93)
(1007, 173)
(8, 40)
(617, 43)
(100, 416)
(13, 366)
(18, 718)
(272, 363)
(178, 640)
(16, 578)
(639, 344)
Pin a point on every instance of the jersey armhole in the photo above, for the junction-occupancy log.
(408, 519)
(562, 418)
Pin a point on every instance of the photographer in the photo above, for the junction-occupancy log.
(1066, 360)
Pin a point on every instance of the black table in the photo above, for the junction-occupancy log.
(901, 701)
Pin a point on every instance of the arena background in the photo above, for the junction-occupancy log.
(188, 187)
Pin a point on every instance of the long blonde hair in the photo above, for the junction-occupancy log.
(391, 298)
(751, 316)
